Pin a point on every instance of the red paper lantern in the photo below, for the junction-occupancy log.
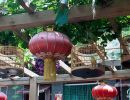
(50, 46)
(3, 96)
(104, 92)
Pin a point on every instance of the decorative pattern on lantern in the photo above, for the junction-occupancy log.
(86, 60)
(50, 46)
(3, 96)
(104, 92)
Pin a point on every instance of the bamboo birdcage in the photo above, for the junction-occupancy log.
(125, 46)
(11, 61)
(86, 60)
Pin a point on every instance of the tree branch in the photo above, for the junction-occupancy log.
(26, 7)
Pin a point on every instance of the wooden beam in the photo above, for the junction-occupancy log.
(77, 14)
(120, 74)
(66, 78)
(66, 67)
(30, 73)
(16, 81)
(33, 92)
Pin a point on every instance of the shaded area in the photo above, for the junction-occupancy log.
(87, 72)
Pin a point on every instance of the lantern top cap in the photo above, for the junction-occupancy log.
(102, 83)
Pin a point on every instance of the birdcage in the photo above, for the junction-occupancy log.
(125, 46)
(87, 60)
(11, 61)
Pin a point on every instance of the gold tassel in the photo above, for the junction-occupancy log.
(49, 69)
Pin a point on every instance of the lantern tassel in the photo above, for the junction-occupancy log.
(49, 69)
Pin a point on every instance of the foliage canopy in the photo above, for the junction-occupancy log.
(83, 32)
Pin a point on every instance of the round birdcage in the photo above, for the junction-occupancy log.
(125, 46)
(11, 61)
(87, 60)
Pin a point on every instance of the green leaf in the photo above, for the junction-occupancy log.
(62, 16)
(32, 5)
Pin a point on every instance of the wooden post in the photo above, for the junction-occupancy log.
(33, 93)
(30, 73)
